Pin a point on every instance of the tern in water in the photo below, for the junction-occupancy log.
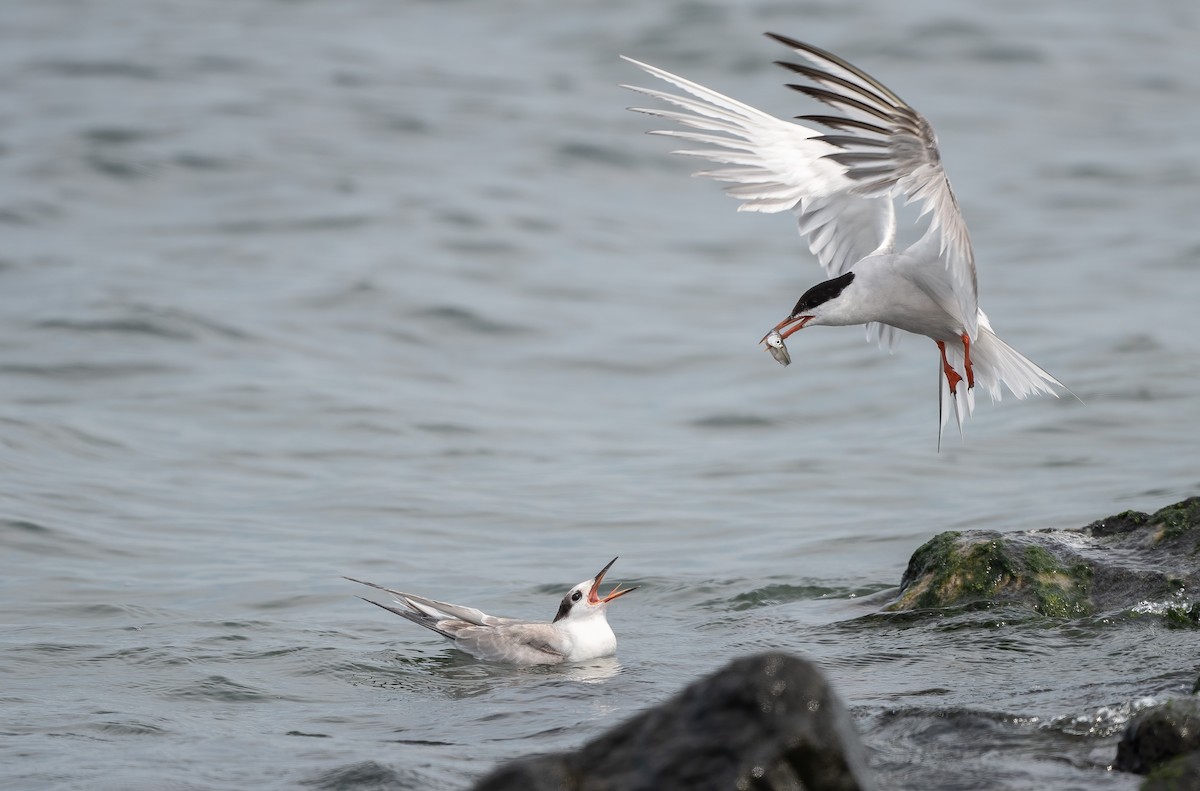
(843, 186)
(579, 631)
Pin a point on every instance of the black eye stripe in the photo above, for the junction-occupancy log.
(564, 607)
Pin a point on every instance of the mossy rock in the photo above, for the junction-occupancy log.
(1179, 520)
(1111, 564)
(1183, 617)
(953, 569)
(1180, 774)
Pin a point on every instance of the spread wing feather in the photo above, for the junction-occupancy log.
(842, 186)
(776, 166)
(889, 148)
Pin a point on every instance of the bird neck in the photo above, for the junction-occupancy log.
(846, 309)
(860, 301)
(590, 636)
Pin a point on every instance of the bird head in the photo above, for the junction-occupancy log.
(815, 306)
(584, 600)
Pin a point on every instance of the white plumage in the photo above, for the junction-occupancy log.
(579, 631)
(842, 184)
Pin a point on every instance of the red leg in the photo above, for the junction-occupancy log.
(952, 377)
(966, 339)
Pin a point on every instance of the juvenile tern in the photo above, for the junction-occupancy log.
(843, 185)
(579, 631)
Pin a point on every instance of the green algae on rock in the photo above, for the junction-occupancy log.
(1178, 774)
(1114, 563)
(955, 568)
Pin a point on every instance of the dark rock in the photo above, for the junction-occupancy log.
(1114, 563)
(768, 722)
(1158, 735)
(1179, 774)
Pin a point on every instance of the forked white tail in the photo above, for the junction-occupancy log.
(996, 366)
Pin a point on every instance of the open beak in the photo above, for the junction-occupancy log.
(774, 339)
(594, 598)
(778, 329)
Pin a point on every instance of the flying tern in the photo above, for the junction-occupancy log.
(843, 184)
(579, 631)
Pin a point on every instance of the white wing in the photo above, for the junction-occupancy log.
(841, 185)
(778, 166)
(888, 148)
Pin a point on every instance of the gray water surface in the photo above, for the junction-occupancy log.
(292, 290)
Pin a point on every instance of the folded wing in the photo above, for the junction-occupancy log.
(520, 643)
(432, 609)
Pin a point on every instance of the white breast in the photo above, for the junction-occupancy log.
(590, 638)
(893, 296)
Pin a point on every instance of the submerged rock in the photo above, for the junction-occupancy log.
(1158, 735)
(768, 722)
(1116, 563)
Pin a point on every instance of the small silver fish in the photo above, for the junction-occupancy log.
(776, 347)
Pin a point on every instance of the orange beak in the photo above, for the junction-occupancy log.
(798, 321)
(616, 592)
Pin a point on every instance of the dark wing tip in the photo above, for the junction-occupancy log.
(420, 619)
(838, 122)
(840, 62)
(785, 41)
(368, 584)
(810, 48)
